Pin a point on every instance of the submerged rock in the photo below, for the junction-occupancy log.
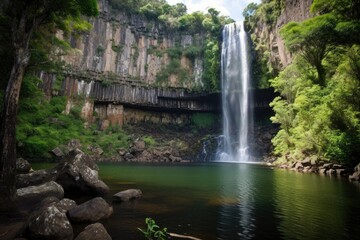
(94, 232)
(79, 173)
(127, 195)
(50, 223)
(91, 211)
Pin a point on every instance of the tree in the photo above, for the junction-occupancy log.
(24, 18)
(313, 39)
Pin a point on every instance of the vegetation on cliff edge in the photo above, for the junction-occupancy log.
(318, 108)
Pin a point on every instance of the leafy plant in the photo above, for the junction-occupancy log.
(153, 231)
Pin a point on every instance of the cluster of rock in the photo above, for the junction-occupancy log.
(44, 190)
(138, 152)
(314, 166)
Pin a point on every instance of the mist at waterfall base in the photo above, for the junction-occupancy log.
(237, 117)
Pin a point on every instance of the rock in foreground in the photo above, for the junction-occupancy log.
(37, 193)
(50, 224)
(127, 195)
(91, 211)
(94, 232)
(79, 173)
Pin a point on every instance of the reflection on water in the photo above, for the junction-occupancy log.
(239, 186)
(233, 201)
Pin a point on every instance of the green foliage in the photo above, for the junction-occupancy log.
(42, 125)
(153, 231)
(203, 120)
(149, 141)
(321, 121)
(211, 72)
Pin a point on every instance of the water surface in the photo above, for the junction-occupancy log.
(233, 201)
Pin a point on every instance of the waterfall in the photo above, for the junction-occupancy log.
(235, 94)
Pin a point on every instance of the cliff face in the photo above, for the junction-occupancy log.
(269, 36)
(133, 48)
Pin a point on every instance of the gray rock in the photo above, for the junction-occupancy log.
(35, 178)
(74, 144)
(322, 170)
(57, 152)
(50, 223)
(355, 176)
(299, 166)
(65, 205)
(314, 162)
(94, 231)
(331, 171)
(138, 146)
(127, 195)
(306, 162)
(341, 172)
(97, 151)
(79, 173)
(37, 193)
(22, 166)
(122, 151)
(128, 156)
(337, 166)
(175, 159)
(327, 165)
(91, 211)
(357, 168)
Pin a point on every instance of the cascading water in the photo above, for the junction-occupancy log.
(235, 94)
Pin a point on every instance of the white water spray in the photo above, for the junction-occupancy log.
(235, 94)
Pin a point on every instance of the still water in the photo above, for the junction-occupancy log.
(233, 201)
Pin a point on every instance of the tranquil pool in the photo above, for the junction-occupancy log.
(233, 201)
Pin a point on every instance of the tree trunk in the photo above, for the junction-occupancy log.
(321, 74)
(8, 130)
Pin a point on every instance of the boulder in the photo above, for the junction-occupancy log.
(128, 156)
(322, 170)
(341, 172)
(314, 161)
(74, 144)
(79, 173)
(127, 195)
(357, 168)
(50, 223)
(91, 211)
(97, 151)
(138, 146)
(355, 176)
(94, 232)
(327, 165)
(35, 178)
(65, 205)
(122, 151)
(331, 171)
(57, 152)
(175, 159)
(22, 166)
(337, 166)
(299, 166)
(37, 193)
(306, 162)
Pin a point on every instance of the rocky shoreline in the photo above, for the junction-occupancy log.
(324, 168)
(43, 211)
